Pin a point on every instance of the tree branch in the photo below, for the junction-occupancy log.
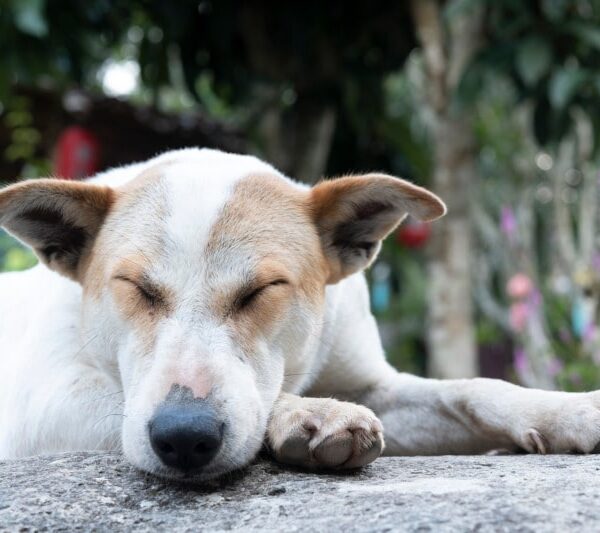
(430, 32)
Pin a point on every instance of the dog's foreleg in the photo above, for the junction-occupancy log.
(427, 416)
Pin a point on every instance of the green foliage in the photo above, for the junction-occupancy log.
(24, 137)
(408, 307)
(29, 17)
(230, 58)
(14, 256)
(533, 60)
(579, 367)
(233, 60)
(550, 51)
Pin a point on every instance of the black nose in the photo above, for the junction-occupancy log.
(186, 437)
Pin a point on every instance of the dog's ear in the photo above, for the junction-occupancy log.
(58, 219)
(353, 214)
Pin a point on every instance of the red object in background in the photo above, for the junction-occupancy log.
(413, 234)
(77, 154)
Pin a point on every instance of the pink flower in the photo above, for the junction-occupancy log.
(519, 315)
(519, 286)
(591, 333)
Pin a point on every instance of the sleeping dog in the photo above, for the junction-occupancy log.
(189, 309)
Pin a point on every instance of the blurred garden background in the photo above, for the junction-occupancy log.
(493, 104)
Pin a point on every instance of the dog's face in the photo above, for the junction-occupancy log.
(203, 279)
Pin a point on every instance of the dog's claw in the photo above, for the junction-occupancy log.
(537, 441)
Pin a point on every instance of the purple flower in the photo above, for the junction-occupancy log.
(535, 299)
(508, 222)
(596, 262)
(555, 367)
(565, 335)
(520, 361)
(575, 378)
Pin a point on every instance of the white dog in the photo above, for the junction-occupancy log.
(191, 308)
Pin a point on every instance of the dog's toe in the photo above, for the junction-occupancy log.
(295, 450)
(369, 448)
(349, 449)
(335, 450)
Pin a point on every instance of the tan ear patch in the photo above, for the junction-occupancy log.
(58, 219)
(339, 194)
(354, 214)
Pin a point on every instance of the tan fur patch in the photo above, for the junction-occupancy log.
(58, 215)
(269, 219)
(121, 226)
(127, 246)
(354, 214)
(332, 194)
(130, 289)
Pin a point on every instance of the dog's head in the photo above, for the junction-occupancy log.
(203, 277)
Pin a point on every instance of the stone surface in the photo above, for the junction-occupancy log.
(101, 492)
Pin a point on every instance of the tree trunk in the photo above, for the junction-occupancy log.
(447, 49)
(298, 141)
(450, 332)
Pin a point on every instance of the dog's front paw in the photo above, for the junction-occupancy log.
(322, 432)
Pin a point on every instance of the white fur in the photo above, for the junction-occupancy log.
(68, 343)
(75, 376)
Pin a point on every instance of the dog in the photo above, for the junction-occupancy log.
(192, 308)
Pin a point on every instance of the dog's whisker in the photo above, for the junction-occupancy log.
(104, 417)
(108, 395)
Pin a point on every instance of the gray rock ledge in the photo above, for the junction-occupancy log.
(100, 492)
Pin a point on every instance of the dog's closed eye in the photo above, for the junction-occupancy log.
(250, 294)
(148, 292)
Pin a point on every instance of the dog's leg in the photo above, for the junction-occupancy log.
(323, 432)
(76, 409)
(426, 416)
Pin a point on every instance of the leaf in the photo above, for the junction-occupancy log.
(541, 126)
(555, 10)
(564, 84)
(534, 57)
(471, 84)
(588, 33)
(456, 8)
(29, 17)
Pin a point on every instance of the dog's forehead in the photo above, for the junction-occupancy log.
(219, 213)
(197, 188)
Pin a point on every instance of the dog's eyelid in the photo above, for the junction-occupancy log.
(280, 281)
(251, 292)
(258, 287)
(148, 290)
